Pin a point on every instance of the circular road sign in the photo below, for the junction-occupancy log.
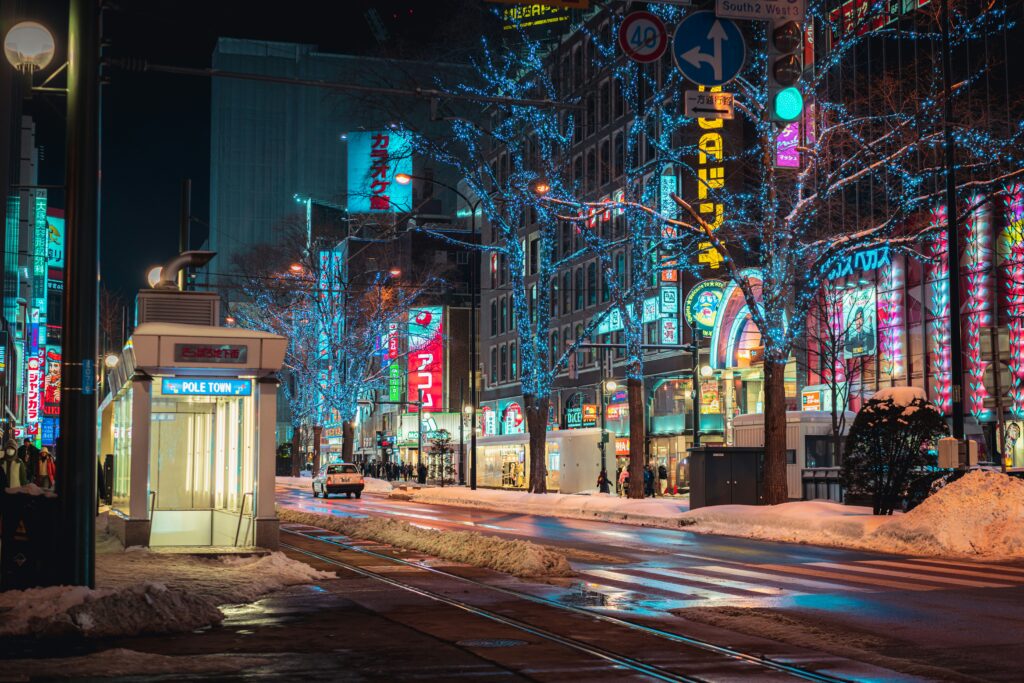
(642, 36)
(710, 51)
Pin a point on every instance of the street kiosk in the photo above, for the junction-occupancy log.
(189, 418)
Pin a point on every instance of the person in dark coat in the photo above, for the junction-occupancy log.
(29, 455)
(602, 482)
(648, 482)
(662, 479)
(421, 473)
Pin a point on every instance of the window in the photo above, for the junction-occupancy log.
(462, 258)
(620, 102)
(533, 303)
(580, 291)
(554, 345)
(605, 294)
(554, 296)
(577, 67)
(567, 229)
(504, 314)
(605, 164)
(591, 115)
(513, 362)
(591, 283)
(818, 451)
(502, 269)
(605, 103)
(494, 365)
(511, 313)
(566, 292)
(579, 352)
(494, 269)
(591, 170)
(619, 163)
(577, 173)
(494, 318)
(534, 255)
(504, 363)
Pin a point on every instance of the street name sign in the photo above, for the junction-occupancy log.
(709, 51)
(643, 37)
(762, 10)
(709, 105)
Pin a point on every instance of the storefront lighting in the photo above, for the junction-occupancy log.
(111, 360)
(611, 385)
(706, 371)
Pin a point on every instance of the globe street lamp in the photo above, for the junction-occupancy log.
(29, 47)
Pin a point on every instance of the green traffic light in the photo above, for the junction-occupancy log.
(788, 104)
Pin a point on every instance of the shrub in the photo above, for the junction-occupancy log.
(889, 439)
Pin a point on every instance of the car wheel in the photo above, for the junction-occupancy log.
(358, 493)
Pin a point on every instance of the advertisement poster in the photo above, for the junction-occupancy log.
(489, 421)
(860, 322)
(710, 400)
(374, 159)
(51, 382)
(426, 357)
(701, 305)
(513, 419)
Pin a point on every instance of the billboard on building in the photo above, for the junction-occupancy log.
(374, 159)
(701, 305)
(426, 357)
(860, 322)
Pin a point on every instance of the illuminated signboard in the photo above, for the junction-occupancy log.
(55, 238)
(395, 381)
(426, 357)
(533, 15)
(651, 310)
(669, 331)
(710, 177)
(488, 420)
(512, 419)
(700, 308)
(786, 142)
(184, 386)
(33, 398)
(869, 259)
(211, 353)
(860, 322)
(374, 159)
(51, 383)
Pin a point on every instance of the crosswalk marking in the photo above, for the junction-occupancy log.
(979, 565)
(663, 586)
(946, 570)
(822, 573)
(710, 581)
(853, 567)
(788, 580)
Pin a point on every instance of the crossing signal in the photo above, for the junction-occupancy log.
(785, 68)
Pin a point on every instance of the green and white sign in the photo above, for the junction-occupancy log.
(701, 305)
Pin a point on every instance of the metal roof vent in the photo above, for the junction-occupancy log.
(172, 306)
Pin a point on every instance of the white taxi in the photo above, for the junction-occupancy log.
(338, 478)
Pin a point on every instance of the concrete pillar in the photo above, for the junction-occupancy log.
(266, 453)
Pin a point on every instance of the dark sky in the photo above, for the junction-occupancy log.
(156, 126)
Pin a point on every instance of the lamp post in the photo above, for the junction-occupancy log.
(606, 386)
(474, 261)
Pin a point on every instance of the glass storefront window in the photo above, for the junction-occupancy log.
(201, 451)
(122, 449)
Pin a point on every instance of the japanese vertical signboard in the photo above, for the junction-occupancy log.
(426, 357)
(374, 159)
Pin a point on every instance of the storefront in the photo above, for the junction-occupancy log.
(573, 460)
(190, 418)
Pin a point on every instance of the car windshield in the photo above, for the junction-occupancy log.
(342, 469)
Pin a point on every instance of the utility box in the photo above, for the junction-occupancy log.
(28, 541)
(951, 453)
(726, 475)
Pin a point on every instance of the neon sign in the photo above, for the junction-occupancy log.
(426, 357)
(185, 386)
(710, 176)
(374, 159)
(939, 353)
(862, 261)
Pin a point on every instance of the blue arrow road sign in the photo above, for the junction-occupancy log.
(708, 50)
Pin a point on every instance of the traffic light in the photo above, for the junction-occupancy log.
(785, 67)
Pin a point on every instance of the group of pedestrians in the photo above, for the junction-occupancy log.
(26, 464)
(655, 481)
(392, 471)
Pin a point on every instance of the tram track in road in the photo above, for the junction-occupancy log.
(728, 655)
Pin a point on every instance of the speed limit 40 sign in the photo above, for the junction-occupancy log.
(642, 36)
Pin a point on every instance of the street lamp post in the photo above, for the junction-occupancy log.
(474, 261)
(603, 387)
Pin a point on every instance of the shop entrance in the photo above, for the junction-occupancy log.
(200, 468)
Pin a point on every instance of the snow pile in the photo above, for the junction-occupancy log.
(980, 514)
(144, 591)
(811, 521)
(663, 512)
(119, 662)
(31, 490)
(900, 396)
(520, 558)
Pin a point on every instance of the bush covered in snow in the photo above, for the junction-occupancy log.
(887, 442)
(520, 558)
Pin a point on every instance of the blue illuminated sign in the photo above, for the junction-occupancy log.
(374, 159)
(184, 386)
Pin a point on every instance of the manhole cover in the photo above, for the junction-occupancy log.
(490, 642)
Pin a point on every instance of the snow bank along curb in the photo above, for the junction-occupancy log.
(979, 516)
(520, 558)
(605, 507)
(147, 592)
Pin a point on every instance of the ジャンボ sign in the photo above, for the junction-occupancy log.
(374, 159)
(426, 357)
(211, 353)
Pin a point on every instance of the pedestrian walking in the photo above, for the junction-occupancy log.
(623, 481)
(602, 482)
(662, 480)
(46, 470)
(13, 467)
(421, 473)
(648, 482)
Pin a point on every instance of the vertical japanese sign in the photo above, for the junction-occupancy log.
(426, 357)
(374, 159)
(710, 177)
(786, 142)
(669, 186)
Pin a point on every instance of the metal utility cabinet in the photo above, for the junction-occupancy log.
(722, 475)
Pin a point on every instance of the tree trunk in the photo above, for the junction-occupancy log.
(296, 450)
(775, 489)
(537, 426)
(316, 449)
(347, 440)
(635, 394)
